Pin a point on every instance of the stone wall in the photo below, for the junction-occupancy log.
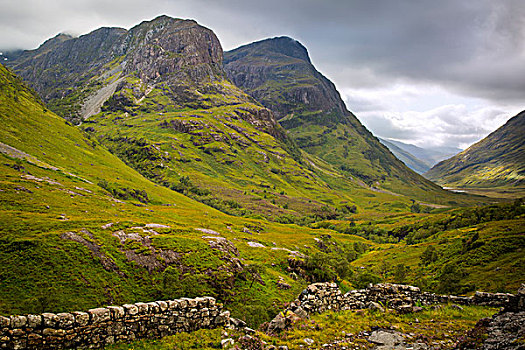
(321, 297)
(99, 327)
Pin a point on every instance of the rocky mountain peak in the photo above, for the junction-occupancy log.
(278, 73)
(58, 39)
(282, 46)
(165, 46)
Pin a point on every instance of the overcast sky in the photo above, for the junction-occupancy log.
(427, 72)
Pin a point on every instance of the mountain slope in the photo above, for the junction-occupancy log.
(496, 161)
(80, 229)
(430, 155)
(411, 161)
(278, 73)
(157, 96)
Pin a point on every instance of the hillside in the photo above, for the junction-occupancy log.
(81, 229)
(497, 161)
(157, 97)
(278, 73)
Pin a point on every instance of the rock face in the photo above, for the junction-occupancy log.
(278, 73)
(64, 61)
(505, 330)
(166, 75)
(179, 54)
(165, 47)
(285, 63)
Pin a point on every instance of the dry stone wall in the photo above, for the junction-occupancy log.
(102, 326)
(99, 327)
(321, 297)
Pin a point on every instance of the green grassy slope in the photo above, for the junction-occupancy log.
(278, 73)
(170, 113)
(455, 252)
(74, 228)
(80, 229)
(496, 161)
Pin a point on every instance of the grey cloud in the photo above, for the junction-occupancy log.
(476, 48)
(472, 48)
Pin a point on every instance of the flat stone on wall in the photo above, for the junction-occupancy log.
(102, 326)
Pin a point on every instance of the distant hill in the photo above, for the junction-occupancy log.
(411, 161)
(417, 158)
(496, 161)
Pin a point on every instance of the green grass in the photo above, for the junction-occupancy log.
(442, 325)
(202, 339)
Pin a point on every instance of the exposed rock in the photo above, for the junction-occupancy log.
(309, 341)
(207, 231)
(375, 307)
(156, 226)
(107, 263)
(387, 339)
(227, 343)
(255, 244)
(505, 330)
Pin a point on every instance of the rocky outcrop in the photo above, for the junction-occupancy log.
(173, 49)
(65, 61)
(505, 330)
(102, 326)
(282, 59)
(279, 74)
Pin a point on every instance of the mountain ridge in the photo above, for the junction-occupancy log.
(498, 160)
(310, 108)
(166, 108)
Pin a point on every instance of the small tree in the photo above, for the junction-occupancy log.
(428, 256)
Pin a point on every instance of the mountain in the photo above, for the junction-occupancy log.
(417, 158)
(80, 229)
(429, 155)
(496, 161)
(157, 96)
(121, 207)
(278, 73)
(411, 161)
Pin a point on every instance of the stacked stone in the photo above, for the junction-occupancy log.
(395, 296)
(491, 299)
(99, 327)
(356, 299)
(320, 297)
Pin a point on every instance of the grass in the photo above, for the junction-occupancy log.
(202, 339)
(441, 327)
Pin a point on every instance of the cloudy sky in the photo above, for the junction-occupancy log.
(426, 72)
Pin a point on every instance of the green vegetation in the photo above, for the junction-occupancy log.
(432, 326)
(183, 185)
(494, 166)
(278, 73)
(439, 326)
(203, 339)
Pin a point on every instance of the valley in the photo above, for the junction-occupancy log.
(147, 164)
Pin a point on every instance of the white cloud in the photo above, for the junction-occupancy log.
(415, 114)
(395, 62)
